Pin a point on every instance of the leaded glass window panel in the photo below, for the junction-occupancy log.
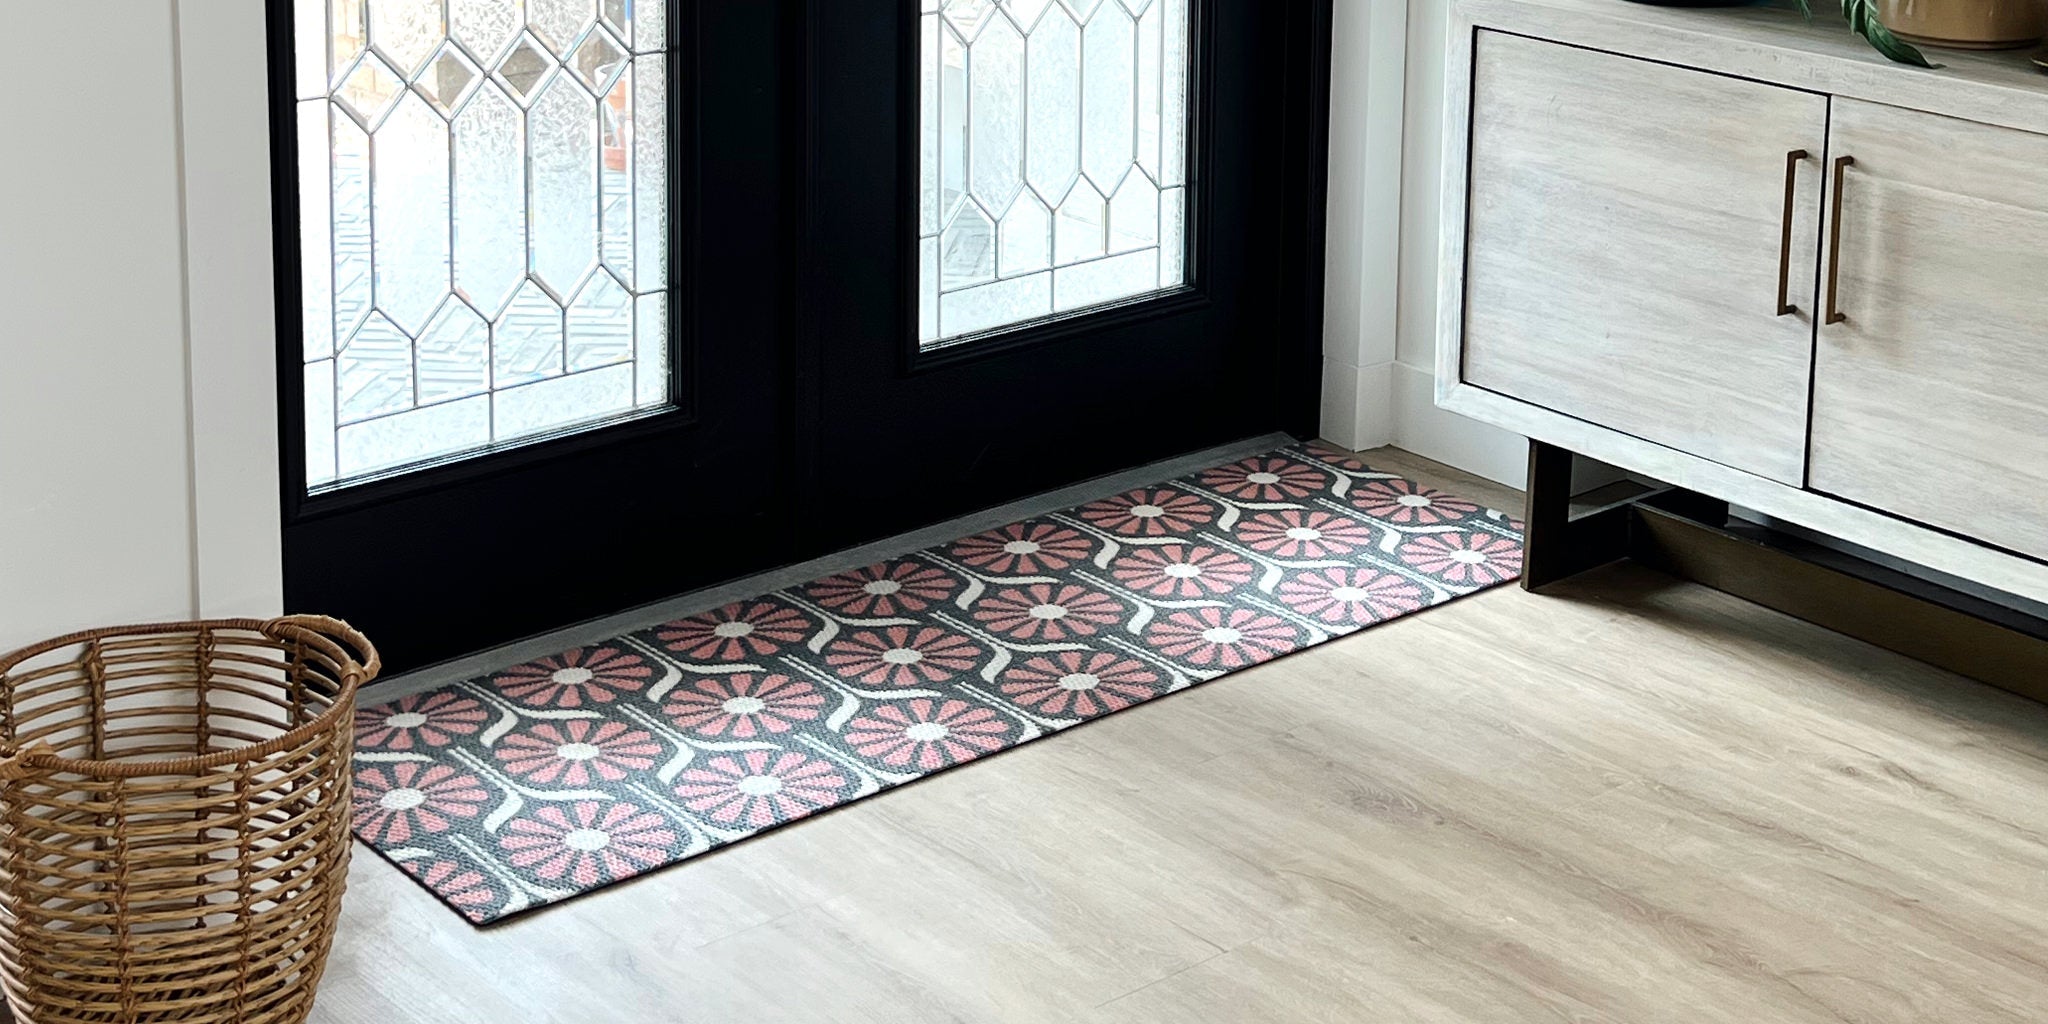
(1053, 164)
(483, 193)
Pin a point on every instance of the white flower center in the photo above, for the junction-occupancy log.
(401, 799)
(744, 706)
(1147, 511)
(1467, 556)
(1414, 500)
(1222, 635)
(1080, 681)
(881, 588)
(588, 840)
(759, 785)
(577, 751)
(1048, 612)
(572, 676)
(1348, 594)
(902, 656)
(1182, 570)
(1263, 479)
(1303, 533)
(1021, 547)
(733, 630)
(926, 732)
(406, 720)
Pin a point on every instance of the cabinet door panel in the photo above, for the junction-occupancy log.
(1623, 245)
(1931, 397)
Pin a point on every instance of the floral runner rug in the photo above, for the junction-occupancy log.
(560, 776)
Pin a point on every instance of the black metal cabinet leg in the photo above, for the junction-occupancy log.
(1559, 546)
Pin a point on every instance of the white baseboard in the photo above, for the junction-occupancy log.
(1358, 407)
(1454, 440)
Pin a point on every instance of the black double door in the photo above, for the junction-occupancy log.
(816, 399)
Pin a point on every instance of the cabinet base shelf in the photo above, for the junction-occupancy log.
(1691, 536)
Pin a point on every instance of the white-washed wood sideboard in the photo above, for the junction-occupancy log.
(1743, 254)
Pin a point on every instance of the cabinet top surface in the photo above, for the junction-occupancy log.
(1776, 44)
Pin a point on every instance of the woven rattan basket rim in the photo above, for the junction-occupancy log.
(318, 630)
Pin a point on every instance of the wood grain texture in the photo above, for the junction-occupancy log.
(1623, 245)
(1768, 45)
(1635, 801)
(1772, 43)
(1931, 399)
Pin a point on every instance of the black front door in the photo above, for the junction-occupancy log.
(586, 303)
(1055, 238)
(540, 292)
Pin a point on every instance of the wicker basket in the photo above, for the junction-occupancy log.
(174, 819)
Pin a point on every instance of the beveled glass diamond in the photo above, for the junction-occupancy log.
(447, 80)
(598, 60)
(526, 69)
(369, 90)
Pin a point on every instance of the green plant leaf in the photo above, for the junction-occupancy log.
(1862, 15)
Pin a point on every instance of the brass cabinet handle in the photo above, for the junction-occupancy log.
(1835, 315)
(1785, 244)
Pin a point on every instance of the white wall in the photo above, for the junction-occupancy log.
(1388, 97)
(98, 484)
(1363, 248)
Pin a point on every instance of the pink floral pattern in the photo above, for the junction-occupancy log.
(397, 802)
(422, 720)
(902, 656)
(1150, 512)
(578, 752)
(1080, 684)
(463, 887)
(524, 787)
(927, 734)
(1331, 455)
(1265, 479)
(1180, 572)
(588, 842)
(1023, 549)
(1467, 559)
(884, 590)
(739, 631)
(759, 788)
(1224, 638)
(1352, 596)
(1303, 533)
(576, 679)
(1411, 504)
(743, 706)
(1046, 612)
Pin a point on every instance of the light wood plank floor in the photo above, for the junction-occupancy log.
(1633, 801)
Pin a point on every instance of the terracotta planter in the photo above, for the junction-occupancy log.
(1967, 24)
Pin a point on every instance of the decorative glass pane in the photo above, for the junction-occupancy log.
(405, 33)
(562, 151)
(484, 27)
(559, 23)
(1052, 159)
(483, 193)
